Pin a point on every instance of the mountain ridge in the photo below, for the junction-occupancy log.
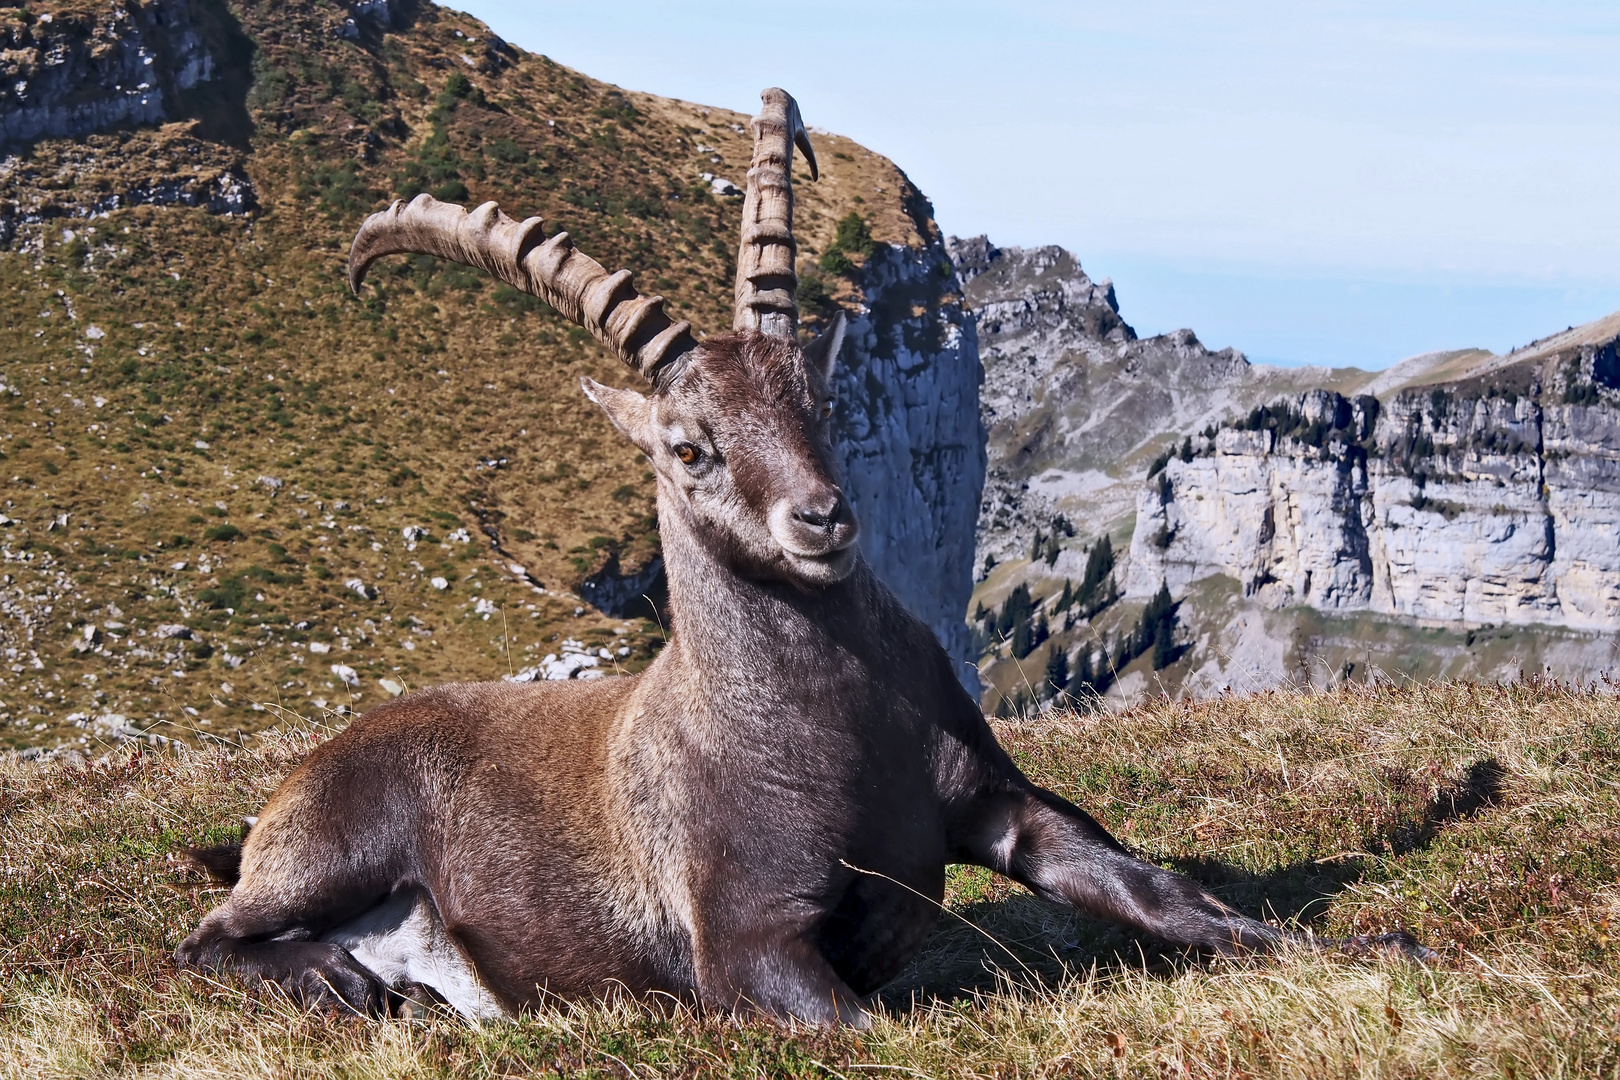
(1062, 367)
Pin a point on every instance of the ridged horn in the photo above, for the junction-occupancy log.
(766, 277)
(633, 326)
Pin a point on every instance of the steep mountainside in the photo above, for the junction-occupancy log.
(1076, 405)
(235, 488)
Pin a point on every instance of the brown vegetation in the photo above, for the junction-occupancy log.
(1485, 819)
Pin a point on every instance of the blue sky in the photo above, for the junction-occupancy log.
(1338, 183)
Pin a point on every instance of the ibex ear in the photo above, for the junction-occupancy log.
(822, 354)
(628, 410)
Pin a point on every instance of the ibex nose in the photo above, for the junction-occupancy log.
(822, 513)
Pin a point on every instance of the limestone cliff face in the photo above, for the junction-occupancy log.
(1074, 403)
(74, 77)
(81, 71)
(908, 430)
(1489, 499)
(183, 66)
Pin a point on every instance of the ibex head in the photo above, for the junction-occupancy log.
(735, 425)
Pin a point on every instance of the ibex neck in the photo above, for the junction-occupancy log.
(734, 629)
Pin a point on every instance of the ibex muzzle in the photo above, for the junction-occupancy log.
(759, 820)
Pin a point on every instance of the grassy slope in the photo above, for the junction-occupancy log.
(233, 350)
(1485, 819)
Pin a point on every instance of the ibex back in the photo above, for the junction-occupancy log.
(763, 817)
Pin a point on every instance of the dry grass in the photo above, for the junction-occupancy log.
(1483, 818)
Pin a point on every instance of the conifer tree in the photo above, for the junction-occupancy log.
(1016, 609)
(1023, 639)
(1083, 678)
(1164, 645)
(1057, 671)
(1099, 564)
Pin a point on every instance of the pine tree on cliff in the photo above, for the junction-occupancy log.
(1164, 645)
(1084, 679)
(1099, 564)
(1016, 609)
(1057, 671)
(1157, 630)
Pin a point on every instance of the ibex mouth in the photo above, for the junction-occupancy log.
(826, 568)
(818, 536)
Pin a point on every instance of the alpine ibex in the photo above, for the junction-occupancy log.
(760, 819)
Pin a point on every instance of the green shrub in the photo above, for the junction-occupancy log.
(230, 594)
(853, 235)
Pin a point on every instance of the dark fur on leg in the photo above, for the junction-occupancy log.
(1399, 943)
(315, 974)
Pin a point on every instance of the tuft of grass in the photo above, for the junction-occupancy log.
(1486, 819)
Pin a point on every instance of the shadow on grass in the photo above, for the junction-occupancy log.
(1028, 942)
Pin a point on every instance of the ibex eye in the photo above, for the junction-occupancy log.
(688, 453)
(826, 408)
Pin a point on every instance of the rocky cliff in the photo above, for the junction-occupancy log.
(1489, 499)
(1074, 403)
(1077, 408)
(125, 66)
(1454, 516)
(909, 432)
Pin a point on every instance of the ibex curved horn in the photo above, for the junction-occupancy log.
(766, 278)
(633, 326)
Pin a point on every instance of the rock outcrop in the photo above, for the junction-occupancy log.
(73, 77)
(908, 430)
(1490, 499)
(1075, 404)
(87, 75)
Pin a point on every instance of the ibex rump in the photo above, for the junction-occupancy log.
(763, 817)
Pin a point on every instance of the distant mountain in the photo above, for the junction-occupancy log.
(1453, 515)
(1076, 405)
(1477, 493)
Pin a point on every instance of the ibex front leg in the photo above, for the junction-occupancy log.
(1057, 851)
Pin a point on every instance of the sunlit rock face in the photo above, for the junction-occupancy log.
(1489, 500)
(69, 77)
(1075, 405)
